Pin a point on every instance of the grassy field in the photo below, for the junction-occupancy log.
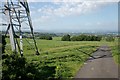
(115, 50)
(65, 55)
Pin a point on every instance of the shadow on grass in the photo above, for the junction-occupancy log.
(17, 68)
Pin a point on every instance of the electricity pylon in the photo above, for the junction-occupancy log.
(17, 13)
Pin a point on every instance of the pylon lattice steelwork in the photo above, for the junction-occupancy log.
(17, 13)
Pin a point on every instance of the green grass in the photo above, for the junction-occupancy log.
(115, 50)
(63, 54)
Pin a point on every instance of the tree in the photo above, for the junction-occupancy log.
(99, 38)
(46, 37)
(110, 38)
(74, 38)
(86, 38)
(66, 38)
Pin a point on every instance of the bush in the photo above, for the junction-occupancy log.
(47, 37)
(66, 38)
(74, 38)
(17, 68)
(110, 38)
(86, 38)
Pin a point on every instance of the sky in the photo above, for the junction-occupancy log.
(70, 16)
(74, 16)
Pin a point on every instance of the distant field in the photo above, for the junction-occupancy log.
(63, 54)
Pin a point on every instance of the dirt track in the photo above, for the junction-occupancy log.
(101, 67)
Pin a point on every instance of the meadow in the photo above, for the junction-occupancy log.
(67, 56)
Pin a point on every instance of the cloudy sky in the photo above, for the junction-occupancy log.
(74, 16)
(70, 16)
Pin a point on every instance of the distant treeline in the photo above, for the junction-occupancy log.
(110, 38)
(40, 35)
(84, 37)
(81, 38)
(46, 37)
(66, 37)
(45, 34)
